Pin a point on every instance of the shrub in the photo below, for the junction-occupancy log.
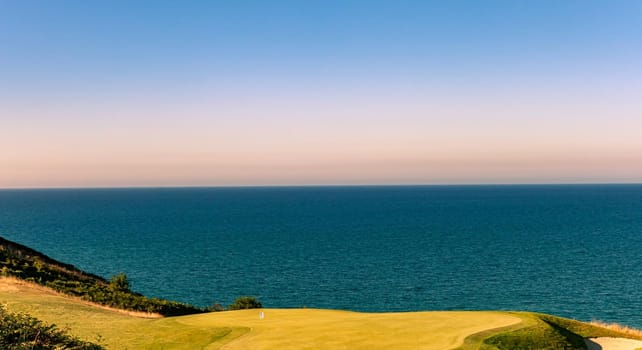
(23, 332)
(245, 303)
(119, 283)
(216, 307)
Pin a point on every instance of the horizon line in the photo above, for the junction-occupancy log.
(489, 184)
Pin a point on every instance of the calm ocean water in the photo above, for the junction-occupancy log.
(574, 251)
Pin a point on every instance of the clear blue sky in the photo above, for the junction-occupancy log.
(117, 93)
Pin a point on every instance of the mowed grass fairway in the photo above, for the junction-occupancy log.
(280, 329)
(333, 329)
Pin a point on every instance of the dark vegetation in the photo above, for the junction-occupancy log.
(245, 303)
(22, 332)
(25, 263)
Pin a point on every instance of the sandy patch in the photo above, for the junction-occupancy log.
(8, 285)
(15, 285)
(606, 343)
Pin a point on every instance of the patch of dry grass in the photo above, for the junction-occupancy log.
(619, 328)
(10, 283)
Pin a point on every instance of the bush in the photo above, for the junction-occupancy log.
(23, 332)
(245, 303)
(119, 283)
(215, 307)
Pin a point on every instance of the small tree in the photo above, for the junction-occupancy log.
(245, 303)
(38, 264)
(119, 283)
(216, 307)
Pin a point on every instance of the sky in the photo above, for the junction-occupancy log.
(238, 93)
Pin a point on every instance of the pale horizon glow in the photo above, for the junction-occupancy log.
(343, 94)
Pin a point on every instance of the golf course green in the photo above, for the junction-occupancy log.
(297, 328)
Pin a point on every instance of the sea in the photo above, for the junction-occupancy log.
(569, 250)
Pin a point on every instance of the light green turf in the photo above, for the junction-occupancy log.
(334, 329)
(302, 328)
(280, 329)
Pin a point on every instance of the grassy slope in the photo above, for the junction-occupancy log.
(113, 329)
(25, 263)
(541, 332)
(301, 328)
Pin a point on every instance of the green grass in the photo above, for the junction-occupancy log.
(336, 329)
(301, 328)
(540, 331)
(113, 329)
(19, 331)
(281, 328)
(535, 333)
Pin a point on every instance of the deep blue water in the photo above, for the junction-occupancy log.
(574, 251)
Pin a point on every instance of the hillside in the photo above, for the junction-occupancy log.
(30, 265)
